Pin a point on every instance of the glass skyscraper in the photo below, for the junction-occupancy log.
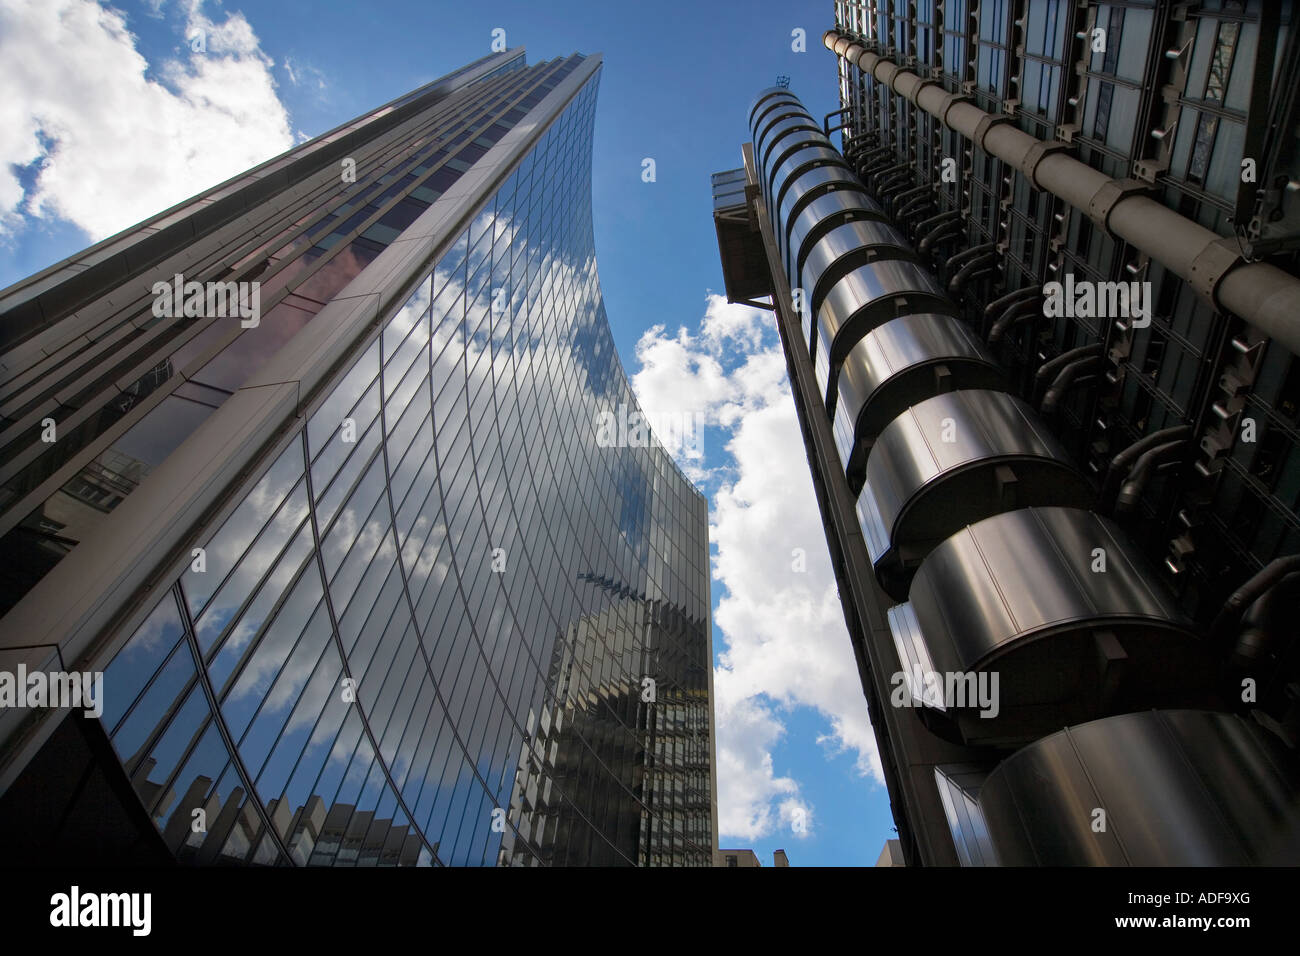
(363, 583)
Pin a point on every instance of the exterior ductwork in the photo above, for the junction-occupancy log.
(952, 460)
(1060, 606)
(862, 300)
(1069, 377)
(1261, 294)
(1122, 463)
(898, 365)
(808, 187)
(1017, 314)
(843, 249)
(1183, 788)
(955, 499)
(798, 162)
(821, 216)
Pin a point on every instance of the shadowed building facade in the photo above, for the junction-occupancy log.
(342, 561)
(1038, 307)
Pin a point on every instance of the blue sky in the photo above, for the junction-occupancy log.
(797, 765)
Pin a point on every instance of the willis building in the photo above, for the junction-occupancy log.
(308, 469)
(1036, 281)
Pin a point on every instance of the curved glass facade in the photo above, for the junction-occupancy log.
(445, 624)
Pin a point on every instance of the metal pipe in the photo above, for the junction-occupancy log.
(1048, 369)
(977, 266)
(958, 258)
(888, 189)
(941, 231)
(1066, 379)
(879, 176)
(866, 147)
(912, 207)
(1019, 313)
(920, 190)
(901, 176)
(1131, 492)
(1261, 294)
(941, 217)
(1120, 465)
(1002, 303)
(1227, 620)
(1268, 622)
(869, 158)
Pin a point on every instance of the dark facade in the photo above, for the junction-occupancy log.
(342, 563)
(1040, 314)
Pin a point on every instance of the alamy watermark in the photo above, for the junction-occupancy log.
(75, 909)
(630, 428)
(1106, 300)
(947, 690)
(179, 298)
(55, 689)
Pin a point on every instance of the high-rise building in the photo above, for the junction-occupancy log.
(738, 858)
(311, 468)
(891, 854)
(1041, 314)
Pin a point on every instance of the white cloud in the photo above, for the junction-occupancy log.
(115, 143)
(783, 629)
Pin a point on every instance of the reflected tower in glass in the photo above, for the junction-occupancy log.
(363, 582)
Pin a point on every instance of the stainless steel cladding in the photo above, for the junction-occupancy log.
(897, 365)
(1063, 609)
(845, 247)
(821, 216)
(803, 155)
(862, 300)
(807, 186)
(1176, 788)
(952, 460)
(793, 124)
(1023, 611)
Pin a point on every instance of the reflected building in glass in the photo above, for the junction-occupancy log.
(363, 583)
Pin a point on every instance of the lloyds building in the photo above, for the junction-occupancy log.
(1040, 304)
(363, 585)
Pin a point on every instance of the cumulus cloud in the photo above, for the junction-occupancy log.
(106, 138)
(779, 617)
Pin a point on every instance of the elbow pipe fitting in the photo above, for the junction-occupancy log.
(859, 143)
(1226, 621)
(1066, 379)
(1018, 314)
(909, 194)
(889, 189)
(957, 258)
(1047, 371)
(977, 266)
(891, 181)
(881, 176)
(1131, 492)
(871, 157)
(1120, 465)
(912, 207)
(1267, 623)
(935, 220)
(938, 233)
(1000, 305)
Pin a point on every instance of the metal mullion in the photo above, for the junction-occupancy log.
(334, 617)
(232, 751)
(244, 605)
(384, 148)
(154, 357)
